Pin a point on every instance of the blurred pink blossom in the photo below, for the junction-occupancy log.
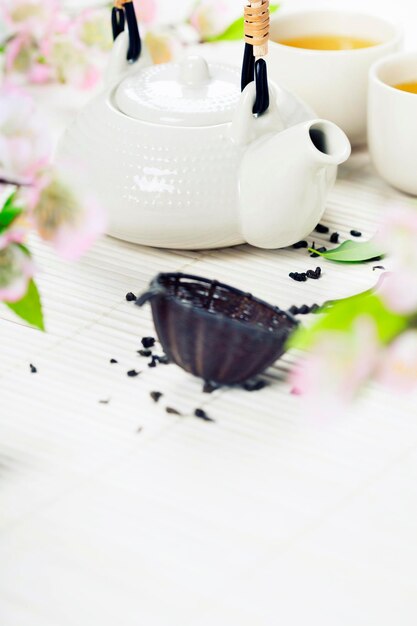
(398, 366)
(35, 17)
(208, 18)
(25, 145)
(16, 233)
(162, 45)
(93, 28)
(16, 269)
(145, 11)
(71, 61)
(398, 235)
(337, 365)
(70, 222)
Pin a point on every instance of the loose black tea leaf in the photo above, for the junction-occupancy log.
(172, 411)
(201, 414)
(322, 249)
(133, 373)
(300, 244)
(148, 342)
(334, 238)
(356, 233)
(145, 352)
(321, 228)
(299, 277)
(112, 361)
(303, 309)
(33, 369)
(163, 360)
(156, 395)
(130, 296)
(314, 274)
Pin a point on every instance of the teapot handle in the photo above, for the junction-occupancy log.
(124, 11)
(118, 64)
(246, 127)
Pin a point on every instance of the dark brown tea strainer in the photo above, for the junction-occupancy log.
(214, 331)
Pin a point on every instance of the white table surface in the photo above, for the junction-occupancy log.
(119, 514)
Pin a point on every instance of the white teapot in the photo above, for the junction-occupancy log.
(177, 157)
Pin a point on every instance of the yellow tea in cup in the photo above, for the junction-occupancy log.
(411, 86)
(328, 42)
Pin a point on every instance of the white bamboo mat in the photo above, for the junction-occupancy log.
(120, 514)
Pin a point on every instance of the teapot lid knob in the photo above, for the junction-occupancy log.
(194, 71)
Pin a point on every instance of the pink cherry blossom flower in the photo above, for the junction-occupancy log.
(145, 11)
(162, 46)
(70, 222)
(337, 366)
(71, 61)
(398, 366)
(40, 73)
(16, 269)
(24, 61)
(93, 28)
(17, 233)
(398, 235)
(30, 16)
(25, 145)
(209, 18)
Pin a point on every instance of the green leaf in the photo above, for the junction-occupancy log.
(234, 32)
(9, 212)
(353, 251)
(340, 315)
(29, 308)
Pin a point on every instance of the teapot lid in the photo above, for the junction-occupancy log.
(190, 93)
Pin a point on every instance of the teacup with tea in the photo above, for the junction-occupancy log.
(325, 56)
(392, 120)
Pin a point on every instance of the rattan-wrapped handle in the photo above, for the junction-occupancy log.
(256, 26)
(119, 4)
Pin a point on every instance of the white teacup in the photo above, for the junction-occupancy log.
(332, 82)
(392, 121)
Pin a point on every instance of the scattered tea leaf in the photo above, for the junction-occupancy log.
(202, 415)
(148, 342)
(156, 395)
(172, 411)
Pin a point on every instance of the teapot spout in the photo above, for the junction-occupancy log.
(331, 145)
(284, 181)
